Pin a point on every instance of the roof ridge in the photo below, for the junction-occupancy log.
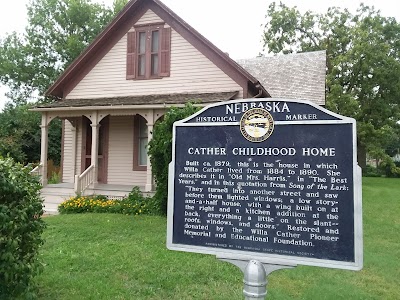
(281, 55)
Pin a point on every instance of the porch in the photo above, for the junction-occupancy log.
(54, 194)
(100, 155)
(102, 152)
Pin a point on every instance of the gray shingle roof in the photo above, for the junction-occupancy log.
(292, 76)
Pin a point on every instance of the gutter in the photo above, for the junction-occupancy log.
(119, 107)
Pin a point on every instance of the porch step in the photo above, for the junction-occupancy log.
(53, 196)
(110, 194)
(114, 191)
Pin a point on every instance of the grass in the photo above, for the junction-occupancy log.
(107, 256)
(104, 256)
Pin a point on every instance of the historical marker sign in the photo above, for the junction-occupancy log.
(268, 179)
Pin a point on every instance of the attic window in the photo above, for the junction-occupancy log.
(148, 52)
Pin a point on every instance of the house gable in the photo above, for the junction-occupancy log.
(190, 72)
(149, 17)
(118, 28)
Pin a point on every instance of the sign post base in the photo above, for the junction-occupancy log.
(255, 276)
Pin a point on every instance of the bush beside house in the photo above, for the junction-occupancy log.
(21, 227)
(160, 151)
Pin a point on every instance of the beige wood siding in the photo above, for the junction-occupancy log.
(191, 72)
(68, 170)
(148, 18)
(120, 153)
(78, 147)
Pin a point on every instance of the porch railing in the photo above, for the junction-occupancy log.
(83, 181)
(37, 171)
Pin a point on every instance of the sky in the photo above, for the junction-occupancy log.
(220, 21)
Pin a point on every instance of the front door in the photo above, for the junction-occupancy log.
(103, 148)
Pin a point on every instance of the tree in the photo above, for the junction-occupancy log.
(393, 148)
(57, 32)
(20, 135)
(363, 64)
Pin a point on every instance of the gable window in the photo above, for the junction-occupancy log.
(148, 52)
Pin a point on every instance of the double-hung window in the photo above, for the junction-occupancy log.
(140, 141)
(148, 52)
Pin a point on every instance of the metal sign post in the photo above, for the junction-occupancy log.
(255, 276)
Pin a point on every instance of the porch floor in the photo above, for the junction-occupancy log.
(55, 194)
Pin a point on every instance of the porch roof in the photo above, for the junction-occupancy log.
(145, 100)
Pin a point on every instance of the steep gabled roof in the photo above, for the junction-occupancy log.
(293, 76)
(120, 25)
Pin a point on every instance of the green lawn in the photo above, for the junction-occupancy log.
(103, 256)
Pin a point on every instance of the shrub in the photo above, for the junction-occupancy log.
(160, 151)
(371, 171)
(134, 204)
(390, 168)
(21, 227)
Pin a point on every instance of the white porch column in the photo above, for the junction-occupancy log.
(95, 147)
(149, 173)
(44, 148)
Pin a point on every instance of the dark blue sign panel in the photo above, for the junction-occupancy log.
(248, 179)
